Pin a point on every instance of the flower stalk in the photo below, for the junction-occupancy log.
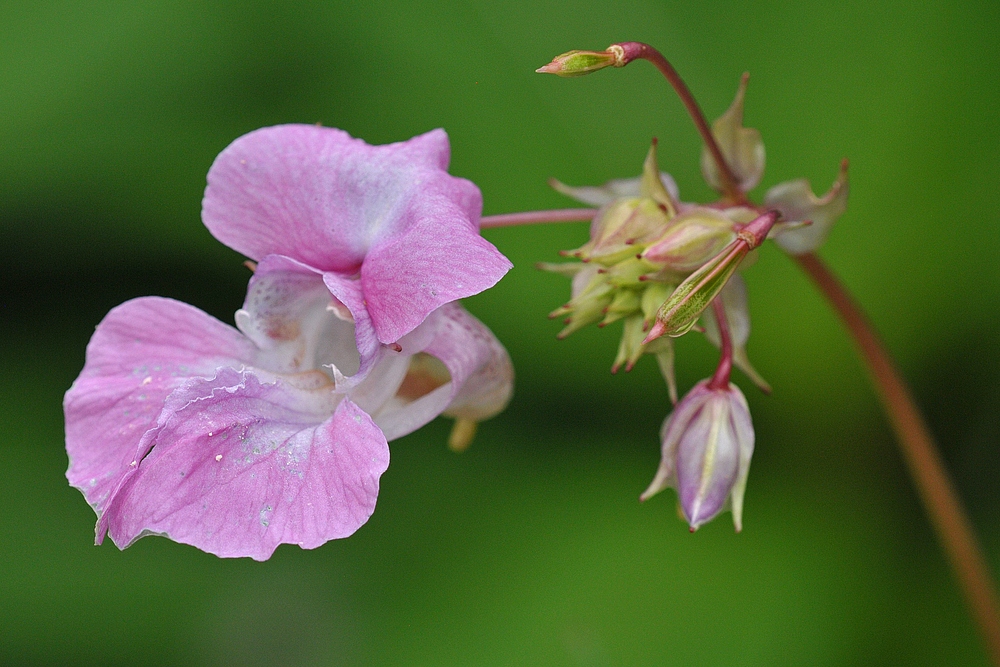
(720, 380)
(936, 491)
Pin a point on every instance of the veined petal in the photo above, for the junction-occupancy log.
(391, 213)
(437, 258)
(141, 352)
(320, 196)
(239, 466)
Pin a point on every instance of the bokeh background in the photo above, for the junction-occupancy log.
(530, 548)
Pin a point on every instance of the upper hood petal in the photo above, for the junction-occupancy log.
(334, 203)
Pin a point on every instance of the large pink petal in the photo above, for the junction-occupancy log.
(322, 197)
(438, 257)
(242, 466)
(142, 351)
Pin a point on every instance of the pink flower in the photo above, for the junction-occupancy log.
(235, 441)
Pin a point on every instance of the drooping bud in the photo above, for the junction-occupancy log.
(734, 301)
(741, 146)
(681, 311)
(798, 204)
(707, 443)
(578, 63)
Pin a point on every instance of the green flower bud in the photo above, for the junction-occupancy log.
(578, 63)
(694, 238)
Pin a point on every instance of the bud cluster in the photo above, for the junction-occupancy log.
(641, 249)
(665, 267)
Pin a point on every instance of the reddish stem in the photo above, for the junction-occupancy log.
(640, 51)
(720, 380)
(536, 217)
(926, 467)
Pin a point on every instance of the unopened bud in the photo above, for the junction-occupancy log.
(578, 63)
(681, 311)
(707, 443)
(693, 239)
(741, 146)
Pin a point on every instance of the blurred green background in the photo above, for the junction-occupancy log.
(531, 548)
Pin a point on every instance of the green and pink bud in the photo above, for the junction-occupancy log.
(578, 63)
(681, 311)
(741, 147)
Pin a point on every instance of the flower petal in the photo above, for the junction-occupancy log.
(480, 376)
(239, 467)
(439, 257)
(142, 351)
(336, 204)
(320, 196)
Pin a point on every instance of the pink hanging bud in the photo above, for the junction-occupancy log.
(707, 445)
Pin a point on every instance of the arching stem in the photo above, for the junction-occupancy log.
(641, 51)
(537, 217)
(920, 453)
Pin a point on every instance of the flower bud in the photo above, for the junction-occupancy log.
(578, 63)
(693, 239)
(681, 311)
(621, 226)
(741, 146)
(707, 445)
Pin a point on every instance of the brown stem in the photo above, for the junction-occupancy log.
(639, 50)
(926, 467)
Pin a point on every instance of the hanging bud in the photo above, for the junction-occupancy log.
(681, 311)
(578, 63)
(741, 146)
(707, 441)
(798, 204)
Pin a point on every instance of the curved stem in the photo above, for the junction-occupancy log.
(536, 217)
(639, 50)
(926, 467)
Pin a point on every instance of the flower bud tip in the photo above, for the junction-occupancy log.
(578, 63)
(658, 330)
